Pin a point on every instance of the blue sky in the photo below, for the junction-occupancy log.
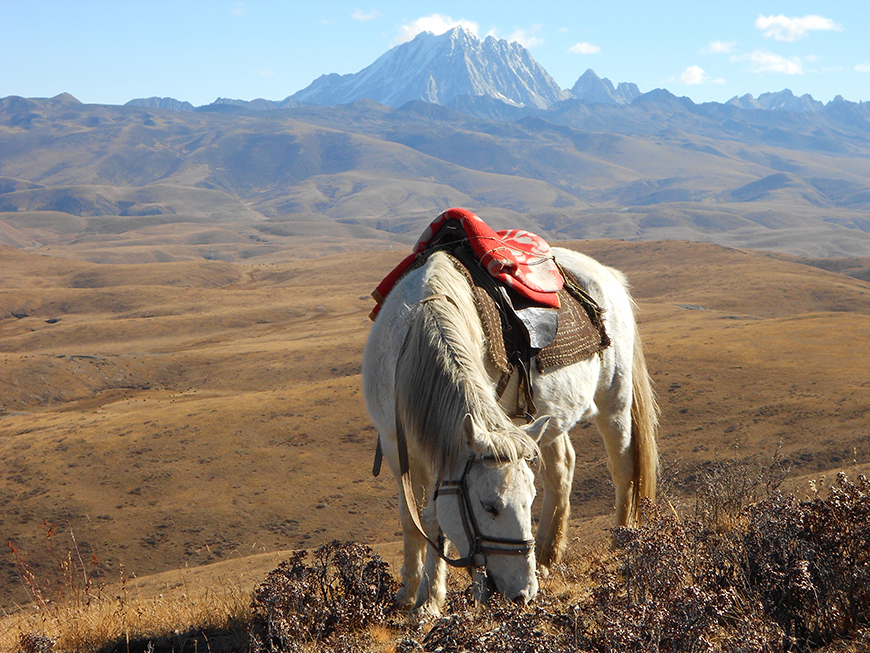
(113, 51)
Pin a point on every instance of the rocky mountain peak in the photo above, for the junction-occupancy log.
(438, 68)
(592, 88)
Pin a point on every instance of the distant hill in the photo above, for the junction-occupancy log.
(168, 103)
(785, 99)
(591, 88)
(134, 183)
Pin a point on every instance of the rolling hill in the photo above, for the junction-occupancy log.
(138, 184)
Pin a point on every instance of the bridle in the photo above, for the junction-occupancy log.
(480, 545)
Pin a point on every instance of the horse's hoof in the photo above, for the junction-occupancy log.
(544, 571)
(402, 600)
(425, 613)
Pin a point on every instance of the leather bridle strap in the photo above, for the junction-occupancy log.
(479, 545)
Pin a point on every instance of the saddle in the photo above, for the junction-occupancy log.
(522, 325)
(519, 335)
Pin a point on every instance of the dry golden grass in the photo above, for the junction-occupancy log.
(87, 620)
(178, 415)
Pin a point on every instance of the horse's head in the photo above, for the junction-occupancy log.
(484, 506)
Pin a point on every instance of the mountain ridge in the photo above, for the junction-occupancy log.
(456, 66)
(130, 183)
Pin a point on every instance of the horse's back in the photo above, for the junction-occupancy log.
(607, 285)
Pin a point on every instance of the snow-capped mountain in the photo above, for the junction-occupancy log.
(439, 68)
(784, 99)
(591, 88)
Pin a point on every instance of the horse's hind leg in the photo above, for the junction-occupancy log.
(557, 473)
(614, 424)
(414, 552)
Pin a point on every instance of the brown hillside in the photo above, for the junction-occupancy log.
(133, 184)
(184, 413)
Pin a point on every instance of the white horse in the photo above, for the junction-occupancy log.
(430, 389)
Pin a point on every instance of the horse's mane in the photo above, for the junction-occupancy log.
(441, 376)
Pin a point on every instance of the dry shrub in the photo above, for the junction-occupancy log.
(503, 626)
(789, 575)
(785, 575)
(723, 488)
(346, 590)
(808, 562)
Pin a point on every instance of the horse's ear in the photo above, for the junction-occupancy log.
(537, 429)
(468, 429)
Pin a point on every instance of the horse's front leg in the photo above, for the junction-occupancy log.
(433, 584)
(414, 551)
(557, 474)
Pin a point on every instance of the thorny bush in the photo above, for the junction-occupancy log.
(786, 576)
(789, 575)
(808, 562)
(346, 589)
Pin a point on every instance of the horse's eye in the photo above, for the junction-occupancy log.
(490, 508)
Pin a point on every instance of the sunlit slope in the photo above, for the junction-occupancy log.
(181, 413)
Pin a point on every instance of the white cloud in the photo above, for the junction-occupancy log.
(719, 47)
(265, 73)
(527, 38)
(863, 67)
(239, 9)
(584, 48)
(359, 15)
(783, 28)
(695, 75)
(435, 23)
(762, 61)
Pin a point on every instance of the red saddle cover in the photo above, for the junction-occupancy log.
(519, 259)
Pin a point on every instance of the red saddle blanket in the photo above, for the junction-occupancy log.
(519, 259)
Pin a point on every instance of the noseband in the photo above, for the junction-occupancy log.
(479, 545)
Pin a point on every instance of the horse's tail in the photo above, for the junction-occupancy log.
(644, 426)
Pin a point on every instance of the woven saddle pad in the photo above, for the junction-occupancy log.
(581, 332)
